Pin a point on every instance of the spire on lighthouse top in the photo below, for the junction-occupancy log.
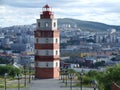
(47, 13)
(46, 6)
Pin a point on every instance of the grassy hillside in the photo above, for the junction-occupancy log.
(87, 25)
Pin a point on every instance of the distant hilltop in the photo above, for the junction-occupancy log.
(69, 23)
(87, 25)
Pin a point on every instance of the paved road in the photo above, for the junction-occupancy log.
(51, 84)
(48, 84)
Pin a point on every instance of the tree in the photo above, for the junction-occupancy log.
(92, 73)
(113, 59)
(97, 64)
(105, 79)
(11, 70)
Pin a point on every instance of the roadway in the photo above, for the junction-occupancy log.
(48, 84)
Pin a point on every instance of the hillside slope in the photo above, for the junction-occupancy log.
(87, 25)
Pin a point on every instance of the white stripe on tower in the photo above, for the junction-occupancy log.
(47, 52)
(48, 64)
(47, 40)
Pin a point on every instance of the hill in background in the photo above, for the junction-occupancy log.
(87, 25)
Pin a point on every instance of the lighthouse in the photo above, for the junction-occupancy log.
(47, 41)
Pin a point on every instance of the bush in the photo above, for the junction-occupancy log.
(11, 70)
(87, 80)
(112, 74)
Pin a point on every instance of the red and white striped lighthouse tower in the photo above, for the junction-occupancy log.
(47, 45)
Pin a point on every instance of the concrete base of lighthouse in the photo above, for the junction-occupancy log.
(45, 73)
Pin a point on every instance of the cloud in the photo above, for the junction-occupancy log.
(24, 3)
(14, 12)
(15, 16)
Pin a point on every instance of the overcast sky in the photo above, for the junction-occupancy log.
(21, 12)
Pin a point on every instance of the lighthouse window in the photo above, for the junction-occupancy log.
(56, 40)
(54, 24)
(46, 40)
(46, 64)
(47, 53)
(56, 52)
(36, 64)
(38, 24)
(46, 24)
(36, 40)
(36, 52)
(56, 64)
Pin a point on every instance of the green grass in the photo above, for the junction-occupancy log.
(12, 86)
(9, 84)
(15, 86)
